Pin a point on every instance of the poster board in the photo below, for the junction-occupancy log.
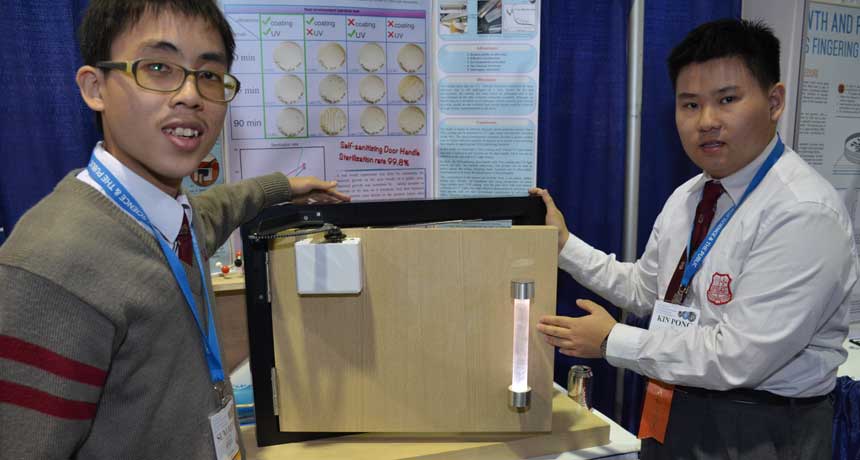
(828, 122)
(394, 99)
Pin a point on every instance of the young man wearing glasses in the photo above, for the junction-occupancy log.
(107, 342)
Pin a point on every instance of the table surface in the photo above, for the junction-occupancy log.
(851, 367)
(622, 444)
(226, 283)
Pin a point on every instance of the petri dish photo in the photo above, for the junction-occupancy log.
(371, 88)
(290, 89)
(411, 120)
(331, 56)
(410, 58)
(332, 121)
(371, 57)
(411, 88)
(291, 122)
(373, 120)
(332, 88)
(289, 56)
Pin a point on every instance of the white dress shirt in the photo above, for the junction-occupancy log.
(164, 211)
(779, 276)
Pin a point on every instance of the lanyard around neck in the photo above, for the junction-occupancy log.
(694, 263)
(124, 199)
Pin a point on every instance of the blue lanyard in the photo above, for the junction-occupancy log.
(122, 197)
(695, 262)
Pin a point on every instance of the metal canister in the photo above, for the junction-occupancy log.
(579, 385)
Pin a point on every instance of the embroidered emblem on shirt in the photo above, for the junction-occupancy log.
(720, 291)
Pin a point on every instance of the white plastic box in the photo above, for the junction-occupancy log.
(329, 268)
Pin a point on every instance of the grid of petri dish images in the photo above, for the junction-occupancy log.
(357, 76)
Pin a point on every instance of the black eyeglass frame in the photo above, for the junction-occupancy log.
(130, 67)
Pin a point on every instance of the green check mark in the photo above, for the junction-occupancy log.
(310, 20)
(352, 34)
(266, 21)
(267, 31)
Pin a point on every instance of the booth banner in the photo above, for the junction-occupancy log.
(828, 123)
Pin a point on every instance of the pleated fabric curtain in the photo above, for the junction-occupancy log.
(581, 131)
(47, 130)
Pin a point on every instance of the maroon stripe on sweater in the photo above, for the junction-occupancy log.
(27, 353)
(46, 403)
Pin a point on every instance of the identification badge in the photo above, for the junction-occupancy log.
(223, 425)
(669, 316)
(655, 411)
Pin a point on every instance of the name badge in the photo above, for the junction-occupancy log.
(223, 425)
(673, 317)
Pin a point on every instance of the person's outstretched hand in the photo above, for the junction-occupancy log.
(311, 190)
(554, 217)
(580, 337)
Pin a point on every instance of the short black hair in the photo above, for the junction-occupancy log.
(105, 20)
(751, 41)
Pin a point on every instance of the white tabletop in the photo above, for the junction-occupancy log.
(623, 445)
(851, 367)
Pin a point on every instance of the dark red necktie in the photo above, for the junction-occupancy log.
(704, 215)
(183, 240)
(658, 395)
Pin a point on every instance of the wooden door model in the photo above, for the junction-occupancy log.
(426, 346)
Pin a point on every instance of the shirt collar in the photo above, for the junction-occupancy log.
(164, 211)
(736, 184)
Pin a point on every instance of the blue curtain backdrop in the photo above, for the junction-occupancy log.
(581, 129)
(48, 130)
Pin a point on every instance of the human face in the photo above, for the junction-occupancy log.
(142, 127)
(724, 117)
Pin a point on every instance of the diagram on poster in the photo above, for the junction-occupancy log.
(849, 162)
(292, 161)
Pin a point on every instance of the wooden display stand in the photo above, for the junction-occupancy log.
(426, 347)
(573, 428)
(230, 319)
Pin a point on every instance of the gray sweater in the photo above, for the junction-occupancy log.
(100, 357)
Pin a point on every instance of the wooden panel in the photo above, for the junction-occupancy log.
(573, 428)
(427, 345)
(231, 321)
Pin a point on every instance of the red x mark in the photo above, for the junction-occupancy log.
(390, 34)
(310, 31)
(350, 21)
(390, 23)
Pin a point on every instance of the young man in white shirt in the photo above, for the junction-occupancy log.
(747, 327)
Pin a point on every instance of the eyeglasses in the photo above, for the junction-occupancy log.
(167, 77)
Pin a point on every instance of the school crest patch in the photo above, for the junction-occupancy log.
(720, 291)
